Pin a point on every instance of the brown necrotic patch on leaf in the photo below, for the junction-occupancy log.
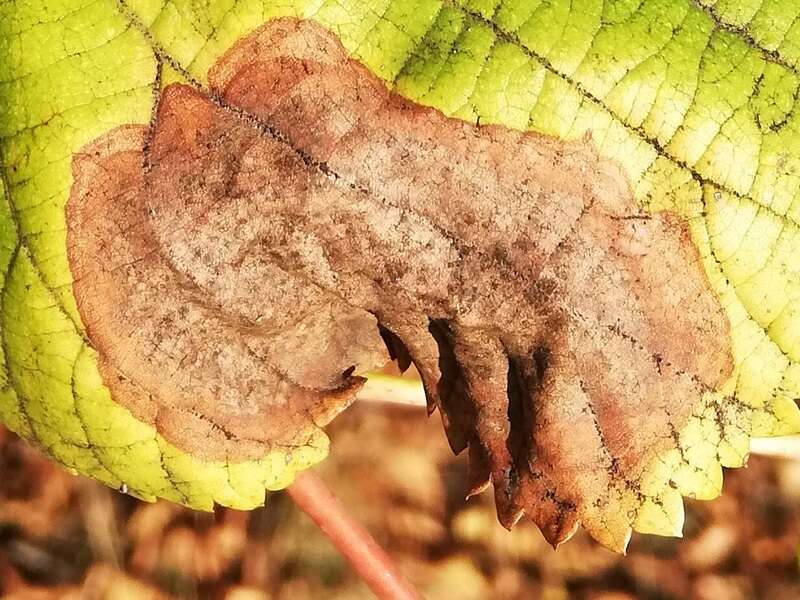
(234, 284)
(220, 378)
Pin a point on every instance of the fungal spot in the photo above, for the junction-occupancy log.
(299, 217)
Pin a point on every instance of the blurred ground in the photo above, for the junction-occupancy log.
(66, 537)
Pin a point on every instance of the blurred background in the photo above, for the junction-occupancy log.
(63, 536)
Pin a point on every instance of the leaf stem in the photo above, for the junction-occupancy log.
(787, 446)
(392, 389)
(366, 557)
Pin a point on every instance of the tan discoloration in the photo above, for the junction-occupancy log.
(562, 333)
(217, 382)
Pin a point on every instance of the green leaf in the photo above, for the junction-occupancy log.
(695, 101)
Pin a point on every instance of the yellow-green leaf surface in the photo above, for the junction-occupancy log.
(697, 101)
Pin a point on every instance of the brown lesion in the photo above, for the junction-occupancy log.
(235, 287)
(219, 380)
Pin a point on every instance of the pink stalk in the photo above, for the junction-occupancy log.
(363, 553)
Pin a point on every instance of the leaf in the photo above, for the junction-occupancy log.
(238, 272)
(674, 93)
